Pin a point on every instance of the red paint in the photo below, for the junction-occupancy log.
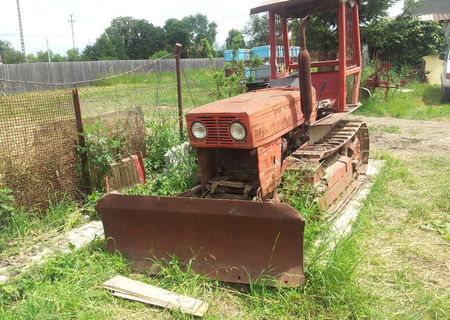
(273, 46)
(358, 56)
(287, 53)
(342, 94)
(266, 115)
(269, 166)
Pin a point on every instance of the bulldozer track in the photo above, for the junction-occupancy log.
(343, 133)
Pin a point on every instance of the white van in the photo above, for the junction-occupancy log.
(445, 76)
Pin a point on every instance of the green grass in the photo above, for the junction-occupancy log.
(423, 103)
(400, 258)
(356, 280)
(69, 285)
(21, 229)
(149, 91)
(391, 129)
(386, 268)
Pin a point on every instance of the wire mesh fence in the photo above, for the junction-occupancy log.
(38, 146)
(39, 139)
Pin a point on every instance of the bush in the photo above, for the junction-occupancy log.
(102, 150)
(160, 139)
(405, 39)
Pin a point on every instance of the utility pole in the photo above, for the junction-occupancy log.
(22, 41)
(71, 24)
(48, 51)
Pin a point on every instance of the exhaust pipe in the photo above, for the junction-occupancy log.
(305, 74)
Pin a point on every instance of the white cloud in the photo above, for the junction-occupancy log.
(50, 18)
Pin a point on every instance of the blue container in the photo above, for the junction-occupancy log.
(261, 52)
(294, 51)
(241, 55)
(264, 52)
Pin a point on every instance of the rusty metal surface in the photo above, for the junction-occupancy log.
(341, 134)
(177, 53)
(229, 240)
(86, 187)
(38, 144)
(349, 140)
(279, 107)
(305, 75)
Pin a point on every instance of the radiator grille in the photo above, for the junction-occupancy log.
(218, 129)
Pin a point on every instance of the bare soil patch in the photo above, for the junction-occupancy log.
(413, 135)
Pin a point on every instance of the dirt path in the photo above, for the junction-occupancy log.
(408, 135)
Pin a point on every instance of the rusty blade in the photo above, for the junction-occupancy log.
(228, 240)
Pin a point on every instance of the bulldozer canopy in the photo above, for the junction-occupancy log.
(298, 8)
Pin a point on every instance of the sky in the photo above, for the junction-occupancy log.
(49, 18)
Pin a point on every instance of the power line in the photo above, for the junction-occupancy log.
(22, 41)
(71, 24)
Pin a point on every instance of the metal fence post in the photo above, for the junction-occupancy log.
(176, 54)
(86, 188)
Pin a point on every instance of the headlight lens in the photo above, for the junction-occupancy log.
(237, 131)
(198, 130)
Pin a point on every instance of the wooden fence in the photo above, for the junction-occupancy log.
(74, 73)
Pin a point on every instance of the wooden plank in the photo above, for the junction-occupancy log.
(142, 292)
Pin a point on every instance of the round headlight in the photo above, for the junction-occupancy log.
(237, 131)
(198, 130)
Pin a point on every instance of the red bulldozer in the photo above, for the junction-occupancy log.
(234, 225)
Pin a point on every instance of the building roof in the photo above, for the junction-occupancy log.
(433, 7)
(297, 8)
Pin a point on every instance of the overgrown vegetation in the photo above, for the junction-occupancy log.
(166, 179)
(346, 279)
(419, 101)
(21, 229)
(338, 286)
(6, 204)
(405, 203)
(102, 149)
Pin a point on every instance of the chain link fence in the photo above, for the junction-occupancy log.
(39, 141)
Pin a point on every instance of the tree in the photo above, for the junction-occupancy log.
(119, 34)
(42, 56)
(102, 49)
(235, 39)
(144, 40)
(199, 28)
(405, 39)
(9, 54)
(321, 31)
(257, 30)
(73, 55)
(176, 32)
(161, 54)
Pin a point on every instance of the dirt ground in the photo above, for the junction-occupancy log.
(412, 135)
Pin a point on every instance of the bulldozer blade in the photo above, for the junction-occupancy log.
(228, 240)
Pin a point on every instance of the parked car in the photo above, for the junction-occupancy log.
(445, 76)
